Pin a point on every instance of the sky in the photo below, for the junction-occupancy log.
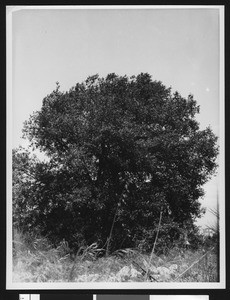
(180, 47)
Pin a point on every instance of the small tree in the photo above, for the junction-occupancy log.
(23, 167)
(121, 149)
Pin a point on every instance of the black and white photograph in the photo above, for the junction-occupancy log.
(115, 147)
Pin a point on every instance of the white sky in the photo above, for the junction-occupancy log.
(179, 47)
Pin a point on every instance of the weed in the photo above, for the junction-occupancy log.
(34, 260)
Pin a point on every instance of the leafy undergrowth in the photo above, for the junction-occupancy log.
(42, 263)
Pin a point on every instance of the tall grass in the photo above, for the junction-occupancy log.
(35, 260)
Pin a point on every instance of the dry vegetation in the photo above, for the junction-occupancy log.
(34, 260)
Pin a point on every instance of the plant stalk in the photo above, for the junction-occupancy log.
(111, 231)
(154, 245)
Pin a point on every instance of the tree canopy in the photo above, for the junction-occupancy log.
(121, 149)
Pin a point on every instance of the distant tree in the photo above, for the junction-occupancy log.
(121, 150)
(23, 166)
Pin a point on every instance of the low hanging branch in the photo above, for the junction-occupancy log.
(154, 245)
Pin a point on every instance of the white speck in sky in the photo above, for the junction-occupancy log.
(207, 89)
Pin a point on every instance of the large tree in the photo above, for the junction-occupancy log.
(121, 150)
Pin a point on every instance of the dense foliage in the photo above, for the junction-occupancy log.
(121, 150)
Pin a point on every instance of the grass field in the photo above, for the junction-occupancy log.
(36, 261)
